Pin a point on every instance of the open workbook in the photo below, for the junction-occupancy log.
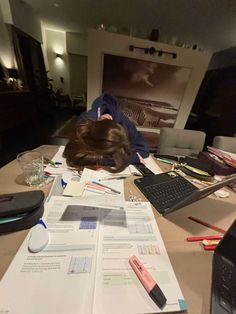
(85, 269)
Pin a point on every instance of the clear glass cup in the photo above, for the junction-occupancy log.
(31, 163)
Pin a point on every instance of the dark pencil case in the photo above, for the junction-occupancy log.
(20, 210)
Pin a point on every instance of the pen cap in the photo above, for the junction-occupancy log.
(157, 296)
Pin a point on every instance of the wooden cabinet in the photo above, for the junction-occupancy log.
(16, 108)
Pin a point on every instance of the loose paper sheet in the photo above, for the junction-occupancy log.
(85, 269)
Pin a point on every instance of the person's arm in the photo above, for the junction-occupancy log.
(137, 139)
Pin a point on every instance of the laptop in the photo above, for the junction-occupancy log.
(170, 191)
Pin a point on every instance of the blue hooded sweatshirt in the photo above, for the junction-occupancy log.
(107, 103)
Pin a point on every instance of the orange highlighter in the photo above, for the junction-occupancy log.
(148, 282)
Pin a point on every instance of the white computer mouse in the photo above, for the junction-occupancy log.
(38, 239)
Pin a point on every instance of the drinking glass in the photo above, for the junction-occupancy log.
(31, 163)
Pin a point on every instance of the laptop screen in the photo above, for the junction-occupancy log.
(204, 192)
(169, 191)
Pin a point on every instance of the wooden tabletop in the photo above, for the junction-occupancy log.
(192, 265)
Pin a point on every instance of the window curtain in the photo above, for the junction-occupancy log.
(18, 56)
(29, 58)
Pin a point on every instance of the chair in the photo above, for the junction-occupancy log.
(180, 142)
(226, 143)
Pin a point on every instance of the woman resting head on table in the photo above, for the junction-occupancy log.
(106, 138)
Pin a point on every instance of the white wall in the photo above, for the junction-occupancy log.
(77, 43)
(55, 42)
(78, 74)
(7, 57)
(22, 16)
(100, 42)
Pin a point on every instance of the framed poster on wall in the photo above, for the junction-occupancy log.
(149, 93)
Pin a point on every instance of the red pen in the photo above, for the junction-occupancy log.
(147, 281)
(216, 237)
(209, 247)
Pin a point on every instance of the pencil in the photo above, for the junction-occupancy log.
(201, 222)
(107, 187)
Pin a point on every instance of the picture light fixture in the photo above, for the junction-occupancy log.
(153, 50)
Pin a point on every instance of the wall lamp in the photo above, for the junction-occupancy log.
(58, 55)
(153, 50)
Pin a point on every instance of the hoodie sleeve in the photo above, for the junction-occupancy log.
(106, 103)
(137, 139)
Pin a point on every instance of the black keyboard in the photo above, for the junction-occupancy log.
(165, 190)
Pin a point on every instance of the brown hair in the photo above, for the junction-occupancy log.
(96, 143)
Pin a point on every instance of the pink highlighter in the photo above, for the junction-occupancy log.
(147, 281)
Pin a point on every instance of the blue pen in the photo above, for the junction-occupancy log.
(41, 222)
(63, 183)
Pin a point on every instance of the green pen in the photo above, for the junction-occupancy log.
(166, 161)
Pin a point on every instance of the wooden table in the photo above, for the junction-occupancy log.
(192, 265)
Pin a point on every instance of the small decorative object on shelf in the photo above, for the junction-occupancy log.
(101, 27)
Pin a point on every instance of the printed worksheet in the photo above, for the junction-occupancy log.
(60, 278)
(84, 267)
(123, 234)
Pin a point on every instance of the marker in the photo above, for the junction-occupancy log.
(94, 188)
(114, 178)
(209, 247)
(165, 161)
(148, 282)
(217, 237)
(107, 187)
(63, 183)
(48, 173)
(55, 163)
(42, 223)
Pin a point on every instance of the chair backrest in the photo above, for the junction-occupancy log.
(180, 142)
(226, 143)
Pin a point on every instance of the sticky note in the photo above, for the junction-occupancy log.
(74, 188)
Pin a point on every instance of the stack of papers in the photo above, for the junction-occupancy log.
(63, 168)
(85, 269)
(227, 157)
